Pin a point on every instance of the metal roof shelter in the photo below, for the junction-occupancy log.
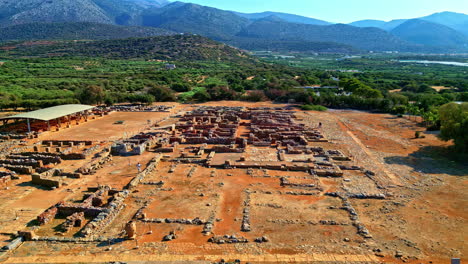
(51, 113)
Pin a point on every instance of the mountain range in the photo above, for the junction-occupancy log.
(456, 21)
(111, 19)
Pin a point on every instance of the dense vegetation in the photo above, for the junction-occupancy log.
(454, 125)
(302, 46)
(76, 30)
(313, 108)
(175, 47)
(35, 75)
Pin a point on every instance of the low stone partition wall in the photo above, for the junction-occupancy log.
(191, 172)
(91, 150)
(301, 193)
(72, 156)
(64, 154)
(97, 198)
(46, 159)
(307, 222)
(10, 136)
(74, 220)
(59, 172)
(6, 174)
(98, 224)
(195, 221)
(343, 167)
(379, 196)
(245, 226)
(23, 162)
(165, 150)
(285, 182)
(159, 183)
(69, 209)
(96, 163)
(42, 181)
(62, 143)
(208, 228)
(337, 155)
(227, 149)
(46, 178)
(228, 239)
(150, 168)
(353, 215)
(30, 154)
(47, 215)
(328, 171)
(70, 239)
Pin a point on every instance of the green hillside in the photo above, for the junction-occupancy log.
(175, 47)
(76, 30)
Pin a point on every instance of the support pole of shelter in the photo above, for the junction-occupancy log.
(29, 125)
(48, 125)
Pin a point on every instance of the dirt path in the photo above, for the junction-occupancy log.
(337, 130)
(390, 175)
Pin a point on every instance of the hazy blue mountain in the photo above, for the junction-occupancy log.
(287, 17)
(388, 26)
(393, 24)
(431, 34)
(369, 23)
(457, 21)
(363, 38)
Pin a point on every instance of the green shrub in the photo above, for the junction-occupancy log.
(417, 134)
(314, 108)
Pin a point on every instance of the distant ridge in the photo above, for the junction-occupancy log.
(456, 21)
(286, 17)
(432, 34)
(362, 38)
(369, 23)
(262, 29)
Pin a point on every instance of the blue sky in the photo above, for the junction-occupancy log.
(342, 11)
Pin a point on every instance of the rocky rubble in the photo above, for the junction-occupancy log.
(195, 221)
(228, 239)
